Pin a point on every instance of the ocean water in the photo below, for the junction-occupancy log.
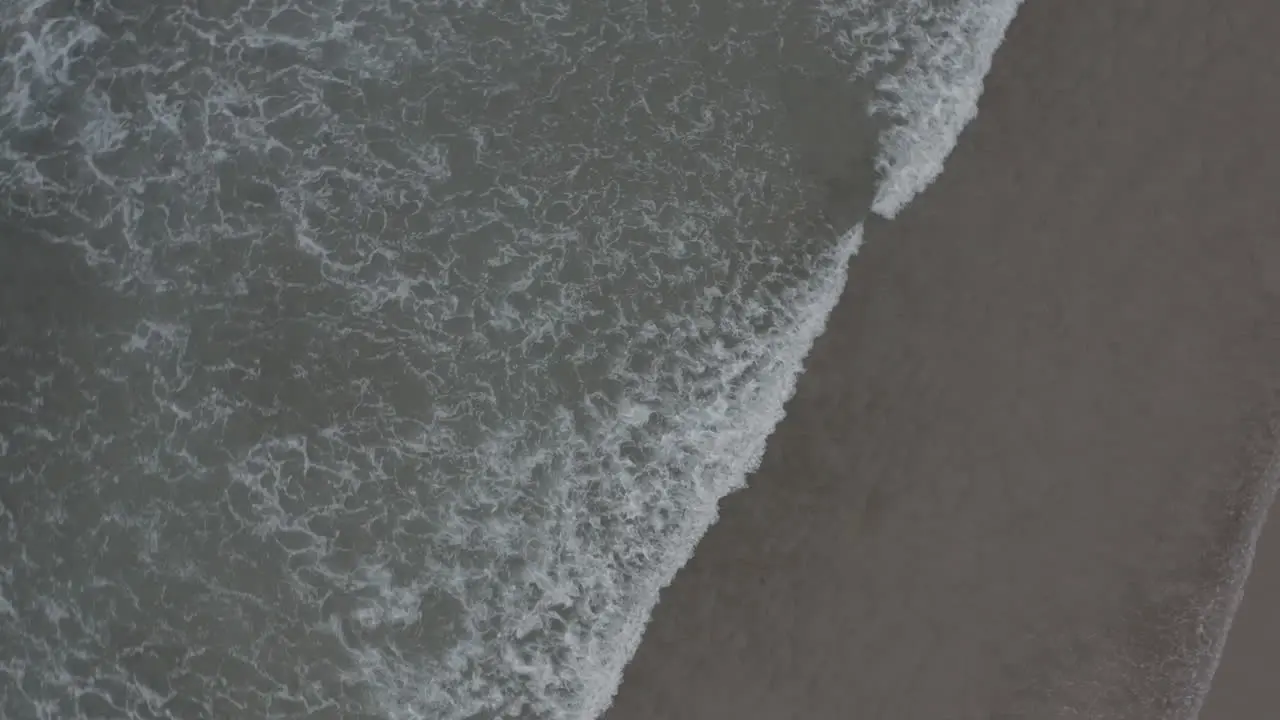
(384, 359)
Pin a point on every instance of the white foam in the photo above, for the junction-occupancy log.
(946, 51)
(40, 59)
(737, 452)
(548, 583)
(930, 99)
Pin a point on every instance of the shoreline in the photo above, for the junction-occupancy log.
(1243, 686)
(1021, 460)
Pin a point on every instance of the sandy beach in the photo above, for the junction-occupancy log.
(1244, 688)
(1020, 476)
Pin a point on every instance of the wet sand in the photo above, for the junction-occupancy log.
(1021, 474)
(1245, 686)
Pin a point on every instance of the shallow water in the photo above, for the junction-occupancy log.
(383, 360)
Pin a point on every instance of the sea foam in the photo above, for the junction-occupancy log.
(930, 59)
(481, 462)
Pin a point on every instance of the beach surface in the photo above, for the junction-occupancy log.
(1244, 688)
(1022, 474)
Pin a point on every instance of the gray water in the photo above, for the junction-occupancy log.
(384, 359)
